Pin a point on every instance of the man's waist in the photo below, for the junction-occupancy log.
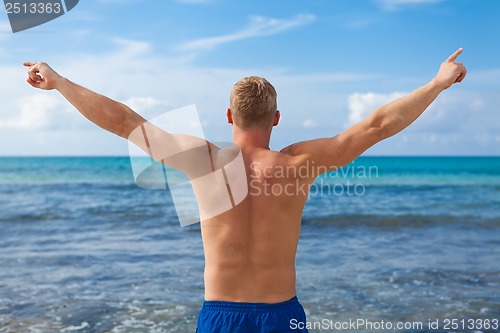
(262, 286)
(249, 307)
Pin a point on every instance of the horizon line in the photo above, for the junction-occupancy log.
(145, 156)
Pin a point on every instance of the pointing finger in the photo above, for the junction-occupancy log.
(29, 64)
(455, 55)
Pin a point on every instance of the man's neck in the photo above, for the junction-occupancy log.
(251, 138)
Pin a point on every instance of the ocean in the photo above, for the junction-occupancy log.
(385, 240)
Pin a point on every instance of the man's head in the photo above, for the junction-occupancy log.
(253, 104)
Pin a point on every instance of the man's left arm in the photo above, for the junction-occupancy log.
(382, 123)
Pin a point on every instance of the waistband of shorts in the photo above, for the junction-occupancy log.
(250, 307)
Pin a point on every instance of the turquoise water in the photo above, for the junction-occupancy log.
(83, 249)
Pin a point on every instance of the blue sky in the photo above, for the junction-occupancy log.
(332, 63)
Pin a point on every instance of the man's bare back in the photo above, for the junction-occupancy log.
(250, 249)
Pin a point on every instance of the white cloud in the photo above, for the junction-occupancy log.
(457, 111)
(360, 105)
(131, 47)
(309, 123)
(391, 5)
(359, 23)
(458, 122)
(81, 33)
(484, 76)
(35, 113)
(140, 104)
(453, 117)
(148, 107)
(5, 29)
(258, 26)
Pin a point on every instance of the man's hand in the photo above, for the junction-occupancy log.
(41, 76)
(450, 71)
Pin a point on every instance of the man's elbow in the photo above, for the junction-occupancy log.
(127, 124)
(378, 128)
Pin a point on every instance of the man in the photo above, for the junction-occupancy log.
(250, 249)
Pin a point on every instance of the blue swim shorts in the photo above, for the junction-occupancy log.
(239, 317)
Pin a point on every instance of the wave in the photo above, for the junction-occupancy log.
(407, 221)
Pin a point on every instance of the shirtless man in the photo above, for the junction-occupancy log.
(250, 249)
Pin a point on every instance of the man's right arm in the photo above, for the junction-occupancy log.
(106, 113)
(119, 119)
(384, 122)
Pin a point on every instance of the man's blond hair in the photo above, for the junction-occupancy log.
(253, 103)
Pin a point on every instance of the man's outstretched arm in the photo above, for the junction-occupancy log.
(382, 123)
(119, 119)
(106, 113)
